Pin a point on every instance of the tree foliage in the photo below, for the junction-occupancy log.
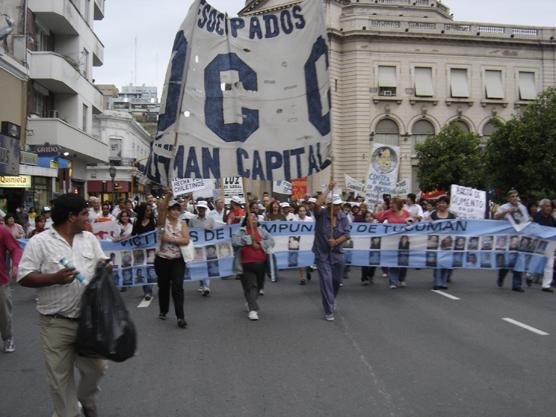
(450, 157)
(522, 152)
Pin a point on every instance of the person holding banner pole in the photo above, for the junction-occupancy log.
(169, 263)
(441, 275)
(331, 232)
(301, 216)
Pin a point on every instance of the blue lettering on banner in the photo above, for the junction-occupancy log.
(214, 102)
(297, 13)
(271, 26)
(236, 24)
(255, 29)
(286, 22)
(207, 166)
(177, 76)
(314, 103)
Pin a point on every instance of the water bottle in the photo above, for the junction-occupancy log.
(66, 263)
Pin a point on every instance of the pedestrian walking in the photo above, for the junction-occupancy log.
(59, 302)
(254, 245)
(169, 263)
(331, 232)
(145, 223)
(441, 275)
(8, 244)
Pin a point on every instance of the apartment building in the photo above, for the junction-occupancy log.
(402, 69)
(55, 41)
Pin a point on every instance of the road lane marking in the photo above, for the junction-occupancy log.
(445, 294)
(144, 303)
(525, 326)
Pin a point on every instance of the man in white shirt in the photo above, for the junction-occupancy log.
(202, 221)
(94, 209)
(59, 302)
(516, 212)
(218, 213)
(415, 210)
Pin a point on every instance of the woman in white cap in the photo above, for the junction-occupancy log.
(301, 216)
(169, 263)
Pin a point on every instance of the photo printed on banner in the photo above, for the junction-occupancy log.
(140, 277)
(127, 277)
(151, 254)
(127, 259)
(139, 257)
(151, 275)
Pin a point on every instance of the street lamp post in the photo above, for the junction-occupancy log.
(112, 172)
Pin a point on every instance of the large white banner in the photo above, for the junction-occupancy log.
(467, 203)
(383, 171)
(354, 185)
(245, 96)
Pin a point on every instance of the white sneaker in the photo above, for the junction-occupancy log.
(403, 284)
(253, 315)
(329, 317)
(9, 345)
(261, 292)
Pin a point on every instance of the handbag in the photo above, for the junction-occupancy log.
(188, 252)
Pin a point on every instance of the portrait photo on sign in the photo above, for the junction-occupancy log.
(512, 259)
(138, 257)
(127, 277)
(500, 260)
(384, 160)
(501, 242)
(447, 243)
(139, 276)
(431, 259)
(487, 242)
(524, 244)
(293, 258)
(532, 245)
(114, 259)
(457, 260)
(294, 242)
(211, 252)
(473, 243)
(460, 243)
(486, 260)
(213, 269)
(375, 242)
(514, 243)
(151, 275)
(225, 250)
(151, 253)
(404, 242)
(541, 247)
(374, 258)
(403, 258)
(471, 259)
(116, 277)
(432, 242)
(199, 254)
(126, 259)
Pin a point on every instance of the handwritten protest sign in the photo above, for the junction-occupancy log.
(182, 186)
(467, 203)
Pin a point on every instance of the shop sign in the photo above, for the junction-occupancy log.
(22, 181)
(28, 158)
(46, 150)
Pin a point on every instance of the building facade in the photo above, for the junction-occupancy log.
(129, 146)
(402, 69)
(56, 43)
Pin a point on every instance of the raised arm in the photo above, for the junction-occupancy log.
(321, 200)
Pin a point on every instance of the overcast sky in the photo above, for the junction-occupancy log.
(154, 25)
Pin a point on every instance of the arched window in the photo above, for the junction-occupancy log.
(422, 129)
(387, 132)
(462, 125)
(488, 130)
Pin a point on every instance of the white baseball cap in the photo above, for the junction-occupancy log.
(312, 200)
(202, 204)
(285, 204)
(236, 199)
(337, 201)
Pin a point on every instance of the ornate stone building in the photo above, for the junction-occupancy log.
(402, 69)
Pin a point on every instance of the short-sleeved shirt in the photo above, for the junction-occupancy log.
(519, 217)
(321, 248)
(202, 223)
(43, 253)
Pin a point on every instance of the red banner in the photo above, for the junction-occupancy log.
(299, 188)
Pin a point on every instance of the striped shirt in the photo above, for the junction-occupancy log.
(43, 253)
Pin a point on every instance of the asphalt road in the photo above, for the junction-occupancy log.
(401, 353)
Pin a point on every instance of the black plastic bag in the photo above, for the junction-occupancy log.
(105, 328)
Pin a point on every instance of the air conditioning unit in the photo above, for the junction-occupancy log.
(387, 93)
(53, 114)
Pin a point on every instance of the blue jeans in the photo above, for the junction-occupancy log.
(396, 275)
(204, 284)
(331, 276)
(441, 277)
(148, 290)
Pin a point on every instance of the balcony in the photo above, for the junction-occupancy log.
(99, 9)
(58, 75)
(63, 18)
(75, 141)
